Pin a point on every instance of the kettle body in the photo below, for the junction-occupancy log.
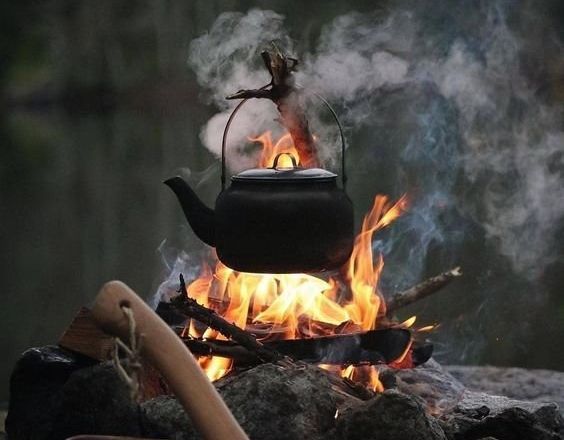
(277, 219)
(284, 227)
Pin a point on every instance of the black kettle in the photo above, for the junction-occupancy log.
(275, 220)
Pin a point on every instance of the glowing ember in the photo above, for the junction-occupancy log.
(293, 306)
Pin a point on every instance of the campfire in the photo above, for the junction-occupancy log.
(294, 306)
(337, 321)
(287, 288)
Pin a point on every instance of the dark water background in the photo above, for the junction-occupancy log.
(99, 107)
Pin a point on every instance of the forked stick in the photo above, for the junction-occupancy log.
(167, 353)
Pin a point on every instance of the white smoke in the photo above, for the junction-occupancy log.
(227, 59)
(467, 113)
(513, 144)
(358, 54)
(175, 262)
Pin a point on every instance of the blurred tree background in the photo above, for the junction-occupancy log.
(98, 106)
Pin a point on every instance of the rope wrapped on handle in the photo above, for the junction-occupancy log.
(166, 352)
(129, 368)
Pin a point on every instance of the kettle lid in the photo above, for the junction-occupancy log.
(285, 174)
(290, 174)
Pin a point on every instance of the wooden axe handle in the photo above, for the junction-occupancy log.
(168, 354)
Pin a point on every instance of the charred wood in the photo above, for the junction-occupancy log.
(371, 347)
(368, 348)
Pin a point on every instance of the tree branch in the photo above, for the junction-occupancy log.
(421, 290)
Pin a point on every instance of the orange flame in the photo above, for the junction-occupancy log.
(299, 305)
(270, 150)
(363, 275)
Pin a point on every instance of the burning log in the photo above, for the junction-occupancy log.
(226, 349)
(282, 91)
(372, 347)
(420, 291)
(421, 352)
(377, 346)
(190, 307)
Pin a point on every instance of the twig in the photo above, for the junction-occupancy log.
(420, 291)
(189, 307)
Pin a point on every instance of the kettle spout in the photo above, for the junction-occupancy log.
(200, 217)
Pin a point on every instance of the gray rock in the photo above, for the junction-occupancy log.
(438, 389)
(472, 401)
(282, 403)
(516, 383)
(96, 400)
(291, 403)
(54, 395)
(479, 415)
(164, 417)
(390, 415)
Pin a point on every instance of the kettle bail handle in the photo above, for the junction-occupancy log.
(238, 107)
(291, 156)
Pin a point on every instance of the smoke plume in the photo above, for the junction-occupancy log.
(445, 89)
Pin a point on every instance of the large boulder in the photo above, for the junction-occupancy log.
(282, 403)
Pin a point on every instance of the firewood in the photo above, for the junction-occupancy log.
(183, 304)
(283, 92)
(365, 348)
(421, 353)
(190, 307)
(370, 347)
(420, 291)
(85, 337)
(393, 304)
(225, 349)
